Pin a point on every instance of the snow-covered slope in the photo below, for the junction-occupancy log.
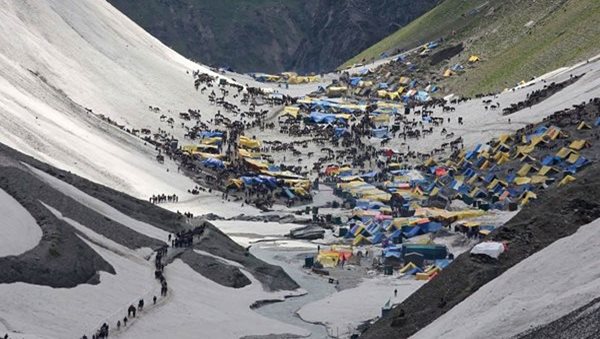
(61, 55)
(19, 230)
(58, 58)
(542, 288)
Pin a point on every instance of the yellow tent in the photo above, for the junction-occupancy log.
(249, 143)
(407, 267)
(247, 154)
(538, 139)
(494, 183)
(380, 118)
(527, 196)
(502, 147)
(474, 58)
(238, 183)
(336, 90)
(486, 164)
(328, 259)
(448, 73)
(564, 152)
(524, 150)
(404, 80)
(524, 170)
(289, 74)
(538, 179)
(257, 163)
(505, 137)
(579, 144)
(573, 158)
(583, 125)
(291, 111)
(305, 100)
(566, 180)
(547, 169)
(211, 141)
(522, 181)
(359, 240)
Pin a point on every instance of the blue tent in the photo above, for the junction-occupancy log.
(339, 132)
(268, 180)
(597, 123)
(354, 81)
(380, 132)
(378, 238)
(392, 251)
(511, 177)
(549, 160)
(431, 227)
(422, 96)
(442, 263)
(411, 231)
(213, 163)
(210, 134)
(458, 67)
(371, 174)
(322, 117)
(250, 181)
(288, 193)
(432, 45)
(469, 172)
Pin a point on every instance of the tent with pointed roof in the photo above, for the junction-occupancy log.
(579, 144)
(583, 125)
(473, 59)
(566, 180)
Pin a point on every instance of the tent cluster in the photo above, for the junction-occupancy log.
(509, 170)
(261, 172)
(388, 205)
(286, 77)
(319, 111)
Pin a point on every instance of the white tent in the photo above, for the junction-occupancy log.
(489, 248)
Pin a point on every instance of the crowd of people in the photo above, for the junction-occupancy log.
(162, 198)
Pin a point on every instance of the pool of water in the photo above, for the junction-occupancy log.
(317, 288)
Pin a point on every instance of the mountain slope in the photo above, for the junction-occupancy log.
(515, 40)
(64, 61)
(514, 302)
(95, 257)
(272, 35)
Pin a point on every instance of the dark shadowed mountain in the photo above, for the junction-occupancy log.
(272, 35)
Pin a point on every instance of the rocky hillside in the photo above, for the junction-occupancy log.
(272, 35)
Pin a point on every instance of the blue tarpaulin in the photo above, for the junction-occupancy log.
(213, 163)
(288, 193)
(422, 96)
(380, 132)
(210, 134)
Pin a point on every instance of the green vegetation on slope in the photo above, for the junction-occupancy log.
(516, 40)
(448, 16)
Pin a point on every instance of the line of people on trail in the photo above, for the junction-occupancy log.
(182, 239)
(159, 269)
(162, 198)
(103, 331)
